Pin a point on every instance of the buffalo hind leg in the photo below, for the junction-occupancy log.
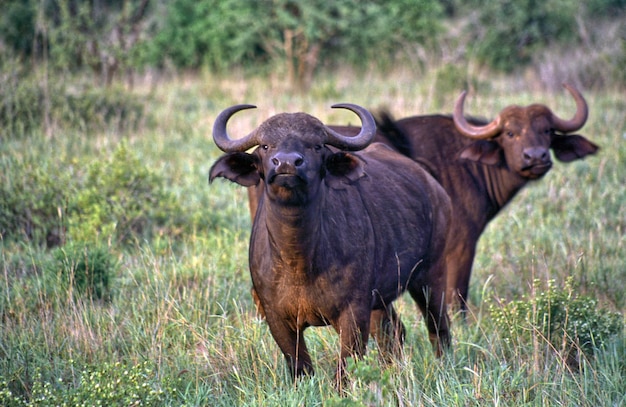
(353, 328)
(433, 306)
(388, 331)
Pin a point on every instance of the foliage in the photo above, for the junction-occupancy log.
(214, 33)
(29, 104)
(295, 38)
(96, 109)
(570, 324)
(451, 78)
(122, 200)
(369, 383)
(33, 199)
(518, 28)
(100, 35)
(604, 8)
(18, 25)
(619, 74)
(108, 384)
(297, 35)
(83, 269)
(24, 101)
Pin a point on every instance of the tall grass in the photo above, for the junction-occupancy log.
(181, 328)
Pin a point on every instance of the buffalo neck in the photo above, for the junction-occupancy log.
(501, 186)
(293, 233)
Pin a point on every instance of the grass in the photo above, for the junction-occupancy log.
(181, 328)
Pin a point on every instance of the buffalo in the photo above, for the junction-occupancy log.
(343, 227)
(483, 165)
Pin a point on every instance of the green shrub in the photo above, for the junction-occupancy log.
(451, 79)
(511, 31)
(296, 35)
(122, 200)
(109, 384)
(97, 109)
(18, 25)
(28, 104)
(85, 269)
(571, 325)
(33, 198)
(23, 100)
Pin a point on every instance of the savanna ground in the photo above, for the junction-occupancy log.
(178, 325)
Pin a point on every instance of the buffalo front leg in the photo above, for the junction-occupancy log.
(388, 331)
(291, 343)
(460, 257)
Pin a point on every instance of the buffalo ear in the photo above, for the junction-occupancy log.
(573, 147)
(236, 167)
(482, 151)
(343, 169)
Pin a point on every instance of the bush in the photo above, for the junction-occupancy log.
(33, 199)
(295, 35)
(98, 109)
(122, 200)
(84, 269)
(28, 105)
(22, 100)
(511, 31)
(109, 384)
(451, 79)
(571, 325)
(17, 25)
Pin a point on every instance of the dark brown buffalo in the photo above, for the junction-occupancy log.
(339, 233)
(482, 166)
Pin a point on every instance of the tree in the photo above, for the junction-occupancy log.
(99, 34)
(510, 31)
(296, 35)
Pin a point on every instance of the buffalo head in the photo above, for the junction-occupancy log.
(521, 137)
(292, 155)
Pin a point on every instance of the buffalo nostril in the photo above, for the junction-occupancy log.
(533, 154)
(288, 159)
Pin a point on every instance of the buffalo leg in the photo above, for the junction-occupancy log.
(353, 333)
(434, 308)
(257, 301)
(461, 251)
(388, 330)
(291, 343)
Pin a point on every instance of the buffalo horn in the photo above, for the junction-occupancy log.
(579, 118)
(221, 138)
(361, 140)
(477, 132)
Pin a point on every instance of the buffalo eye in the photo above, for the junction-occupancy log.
(318, 147)
(510, 134)
(265, 147)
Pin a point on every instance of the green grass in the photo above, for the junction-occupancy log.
(181, 328)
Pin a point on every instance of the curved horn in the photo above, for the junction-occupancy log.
(221, 138)
(579, 119)
(361, 140)
(477, 132)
